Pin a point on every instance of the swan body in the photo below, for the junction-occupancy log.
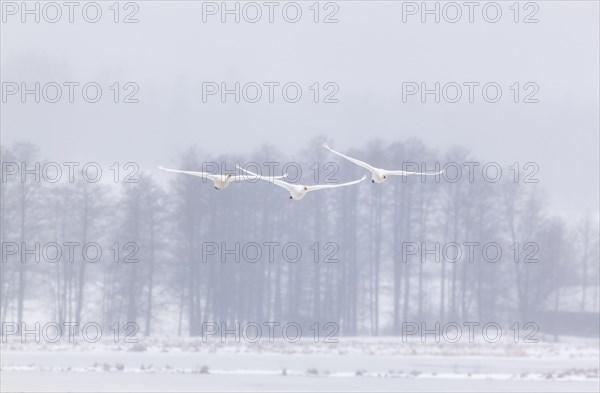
(379, 175)
(220, 181)
(299, 191)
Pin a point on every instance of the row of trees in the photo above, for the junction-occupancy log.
(176, 252)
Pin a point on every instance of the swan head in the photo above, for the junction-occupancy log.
(305, 188)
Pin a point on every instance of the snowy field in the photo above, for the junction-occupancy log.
(353, 364)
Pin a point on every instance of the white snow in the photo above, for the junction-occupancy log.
(353, 364)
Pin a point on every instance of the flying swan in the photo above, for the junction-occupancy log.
(299, 191)
(379, 175)
(221, 181)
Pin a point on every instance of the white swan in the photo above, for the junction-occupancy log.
(299, 191)
(379, 175)
(220, 181)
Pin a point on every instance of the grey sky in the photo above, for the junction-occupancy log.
(368, 54)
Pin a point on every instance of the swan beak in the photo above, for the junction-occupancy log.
(216, 188)
(291, 197)
(372, 181)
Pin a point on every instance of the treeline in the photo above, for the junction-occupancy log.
(175, 252)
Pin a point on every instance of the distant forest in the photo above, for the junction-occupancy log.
(188, 253)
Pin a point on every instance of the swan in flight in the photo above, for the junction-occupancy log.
(221, 181)
(299, 191)
(379, 175)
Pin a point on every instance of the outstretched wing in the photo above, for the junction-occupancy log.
(280, 183)
(353, 160)
(237, 178)
(324, 186)
(405, 173)
(192, 173)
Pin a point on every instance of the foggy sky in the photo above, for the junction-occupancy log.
(369, 53)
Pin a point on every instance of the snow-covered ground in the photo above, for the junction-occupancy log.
(353, 364)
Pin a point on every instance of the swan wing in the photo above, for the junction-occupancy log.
(273, 180)
(325, 186)
(353, 160)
